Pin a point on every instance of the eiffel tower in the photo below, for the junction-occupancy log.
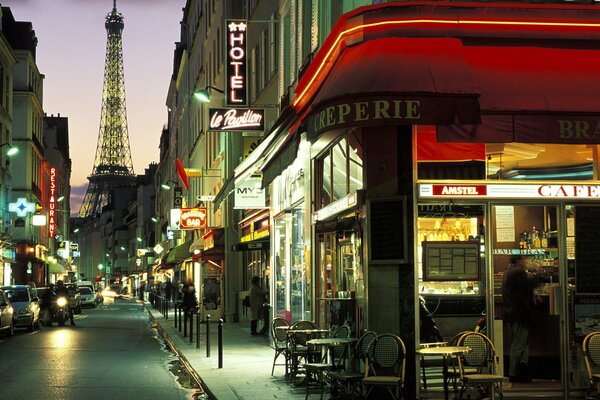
(113, 167)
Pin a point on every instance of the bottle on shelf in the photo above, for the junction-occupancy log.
(522, 242)
(535, 239)
(544, 240)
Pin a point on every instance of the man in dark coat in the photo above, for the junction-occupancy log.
(258, 297)
(519, 312)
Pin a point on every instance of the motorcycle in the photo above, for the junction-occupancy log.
(429, 330)
(61, 311)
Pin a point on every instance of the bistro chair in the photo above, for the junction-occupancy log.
(318, 369)
(349, 380)
(453, 369)
(591, 352)
(386, 362)
(482, 357)
(297, 348)
(280, 342)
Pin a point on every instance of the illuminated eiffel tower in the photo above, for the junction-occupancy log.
(113, 167)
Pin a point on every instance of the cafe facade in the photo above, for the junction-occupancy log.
(440, 139)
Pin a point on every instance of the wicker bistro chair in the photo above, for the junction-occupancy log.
(349, 381)
(280, 342)
(591, 352)
(453, 369)
(386, 363)
(317, 370)
(297, 349)
(482, 357)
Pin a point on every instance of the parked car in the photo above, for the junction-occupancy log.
(88, 297)
(25, 305)
(74, 297)
(6, 315)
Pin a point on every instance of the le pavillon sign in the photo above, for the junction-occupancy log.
(236, 119)
(236, 79)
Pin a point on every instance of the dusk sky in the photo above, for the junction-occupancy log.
(70, 53)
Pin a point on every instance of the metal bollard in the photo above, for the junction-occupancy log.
(167, 309)
(208, 335)
(191, 326)
(198, 330)
(220, 343)
(185, 318)
(175, 314)
(180, 317)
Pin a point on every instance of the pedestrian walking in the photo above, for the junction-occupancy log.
(258, 297)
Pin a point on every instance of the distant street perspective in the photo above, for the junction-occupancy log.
(113, 351)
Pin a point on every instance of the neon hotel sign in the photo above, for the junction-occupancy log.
(236, 94)
(572, 192)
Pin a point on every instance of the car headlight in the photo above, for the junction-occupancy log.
(61, 302)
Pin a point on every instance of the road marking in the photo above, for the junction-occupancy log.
(2, 341)
(81, 316)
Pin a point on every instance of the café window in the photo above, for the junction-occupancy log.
(341, 169)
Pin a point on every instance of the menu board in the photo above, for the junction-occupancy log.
(587, 249)
(387, 228)
(451, 261)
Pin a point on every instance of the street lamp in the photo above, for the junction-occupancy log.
(166, 185)
(204, 94)
(61, 198)
(154, 219)
(12, 150)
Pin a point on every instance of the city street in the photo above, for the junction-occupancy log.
(112, 352)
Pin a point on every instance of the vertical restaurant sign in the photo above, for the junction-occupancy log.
(236, 79)
(52, 204)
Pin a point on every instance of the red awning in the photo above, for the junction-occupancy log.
(431, 71)
(532, 95)
(428, 148)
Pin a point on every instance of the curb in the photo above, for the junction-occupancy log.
(193, 373)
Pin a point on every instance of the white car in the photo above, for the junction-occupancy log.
(88, 297)
(25, 305)
(6, 315)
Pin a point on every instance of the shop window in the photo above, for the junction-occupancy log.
(341, 169)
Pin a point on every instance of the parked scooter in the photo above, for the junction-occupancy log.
(429, 330)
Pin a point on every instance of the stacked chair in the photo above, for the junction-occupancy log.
(297, 348)
(349, 382)
(482, 358)
(317, 368)
(591, 351)
(280, 342)
(386, 363)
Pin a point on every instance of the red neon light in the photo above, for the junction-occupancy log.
(52, 205)
(309, 85)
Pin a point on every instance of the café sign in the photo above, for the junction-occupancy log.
(236, 79)
(236, 119)
(192, 218)
(531, 191)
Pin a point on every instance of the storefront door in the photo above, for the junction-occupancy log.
(528, 318)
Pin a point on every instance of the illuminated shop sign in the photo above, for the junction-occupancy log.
(236, 79)
(192, 218)
(52, 204)
(550, 191)
(249, 194)
(236, 119)
(335, 208)
(21, 207)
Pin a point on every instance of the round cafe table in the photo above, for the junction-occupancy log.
(446, 352)
(331, 344)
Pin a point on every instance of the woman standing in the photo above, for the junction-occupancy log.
(258, 297)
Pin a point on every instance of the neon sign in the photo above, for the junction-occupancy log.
(236, 119)
(236, 94)
(192, 218)
(22, 207)
(52, 204)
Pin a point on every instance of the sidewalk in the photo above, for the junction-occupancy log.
(247, 362)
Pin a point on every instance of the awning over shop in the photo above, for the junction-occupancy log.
(282, 159)
(56, 268)
(533, 95)
(480, 72)
(178, 254)
(214, 248)
(396, 81)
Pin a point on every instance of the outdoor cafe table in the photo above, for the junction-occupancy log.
(446, 352)
(331, 344)
(309, 333)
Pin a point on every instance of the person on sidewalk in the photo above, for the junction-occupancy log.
(519, 312)
(189, 303)
(258, 297)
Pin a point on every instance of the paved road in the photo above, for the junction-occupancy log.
(112, 353)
